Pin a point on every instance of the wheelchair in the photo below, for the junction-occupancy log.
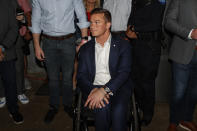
(84, 118)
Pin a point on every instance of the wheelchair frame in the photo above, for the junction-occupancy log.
(81, 123)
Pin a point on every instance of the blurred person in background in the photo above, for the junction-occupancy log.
(181, 21)
(144, 32)
(89, 6)
(9, 32)
(120, 11)
(23, 16)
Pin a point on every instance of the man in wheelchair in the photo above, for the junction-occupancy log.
(104, 74)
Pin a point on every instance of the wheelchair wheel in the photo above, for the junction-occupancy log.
(77, 115)
(83, 127)
(135, 122)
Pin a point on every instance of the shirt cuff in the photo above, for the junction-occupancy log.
(83, 25)
(35, 29)
(190, 33)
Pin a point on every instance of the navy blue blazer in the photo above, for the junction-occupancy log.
(119, 66)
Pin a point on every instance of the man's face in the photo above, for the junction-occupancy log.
(98, 25)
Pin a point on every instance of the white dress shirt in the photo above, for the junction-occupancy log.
(102, 62)
(120, 11)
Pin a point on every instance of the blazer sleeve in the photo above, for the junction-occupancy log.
(123, 70)
(171, 21)
(12, 33)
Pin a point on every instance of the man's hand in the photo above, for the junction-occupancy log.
(20, 17)
(96, 99)
(39, 53)
(131, 34)
(81, 43)
(194, 34)
(1, 55)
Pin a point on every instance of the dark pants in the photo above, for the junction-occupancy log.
(146, 58)
(60, 55)
(19, 69)
(184, 91)
(114, 115)
(8, 74)
(20, 66)
(2, 92)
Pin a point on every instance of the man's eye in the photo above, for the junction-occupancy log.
(97, 22)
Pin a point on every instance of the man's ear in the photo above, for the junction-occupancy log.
(108, 25)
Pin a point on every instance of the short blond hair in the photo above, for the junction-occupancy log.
(97, 4)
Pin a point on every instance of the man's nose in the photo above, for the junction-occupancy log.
(92, 26)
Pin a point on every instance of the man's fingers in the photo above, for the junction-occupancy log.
(92, 104)
(39, 57)
(86, 104)
(107, 96)
(87, 101)
(98, 105)
(102, 104)
(39, 54)
(90, 98)
(106, 100)
(42, 55)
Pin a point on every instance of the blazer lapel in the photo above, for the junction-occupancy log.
(91, 53)
(113, 55)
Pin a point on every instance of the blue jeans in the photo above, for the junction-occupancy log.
(184, 91)
(60, 55)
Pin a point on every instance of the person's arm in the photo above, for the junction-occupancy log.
(83, 23)
(81, 15)
(36, 31)
(12, 33)
(84, 38)
(95, 93)
(83, 75)
(171, 21)
(38, 50)
(123, 71)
